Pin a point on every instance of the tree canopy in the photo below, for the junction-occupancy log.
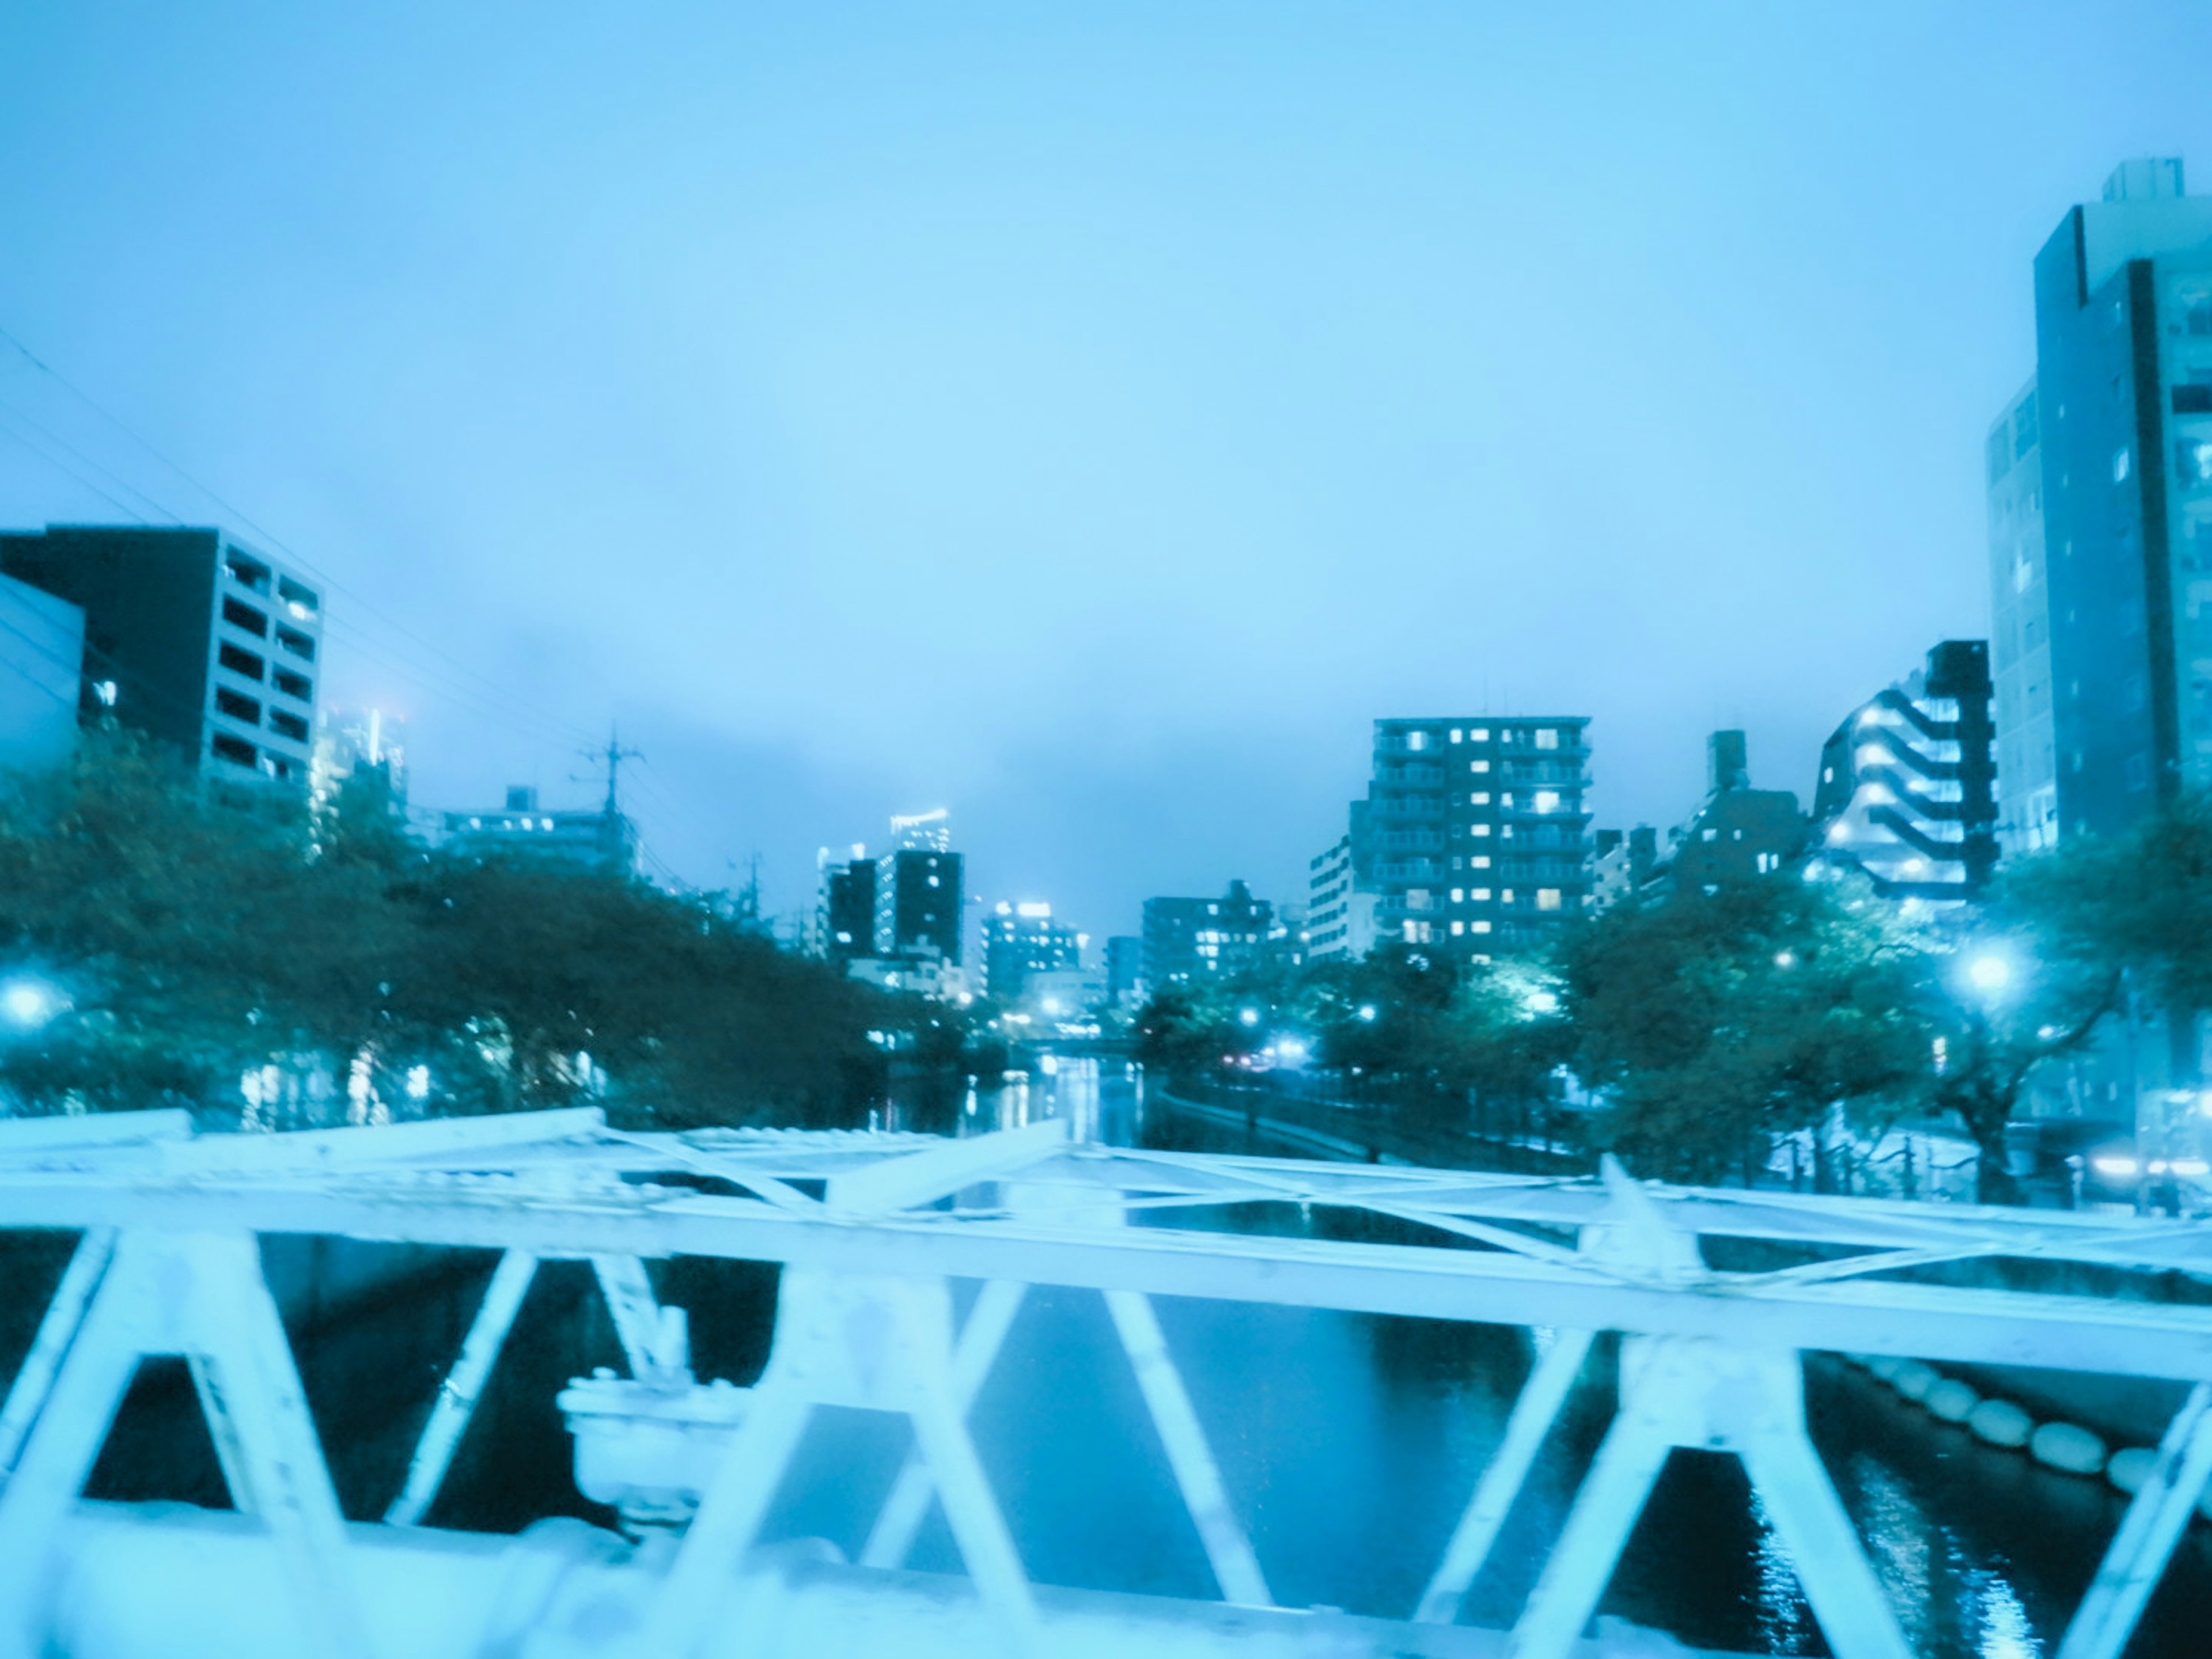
(191, 939)
(1714, 1021)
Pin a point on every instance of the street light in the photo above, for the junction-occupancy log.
(1990, 973)
(1367, 1012)
(27, 1003)
(1249, 1016)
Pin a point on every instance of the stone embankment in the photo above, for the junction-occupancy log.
(2054, 1442)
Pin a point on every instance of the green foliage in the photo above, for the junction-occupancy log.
(1714, 1021)
(1400, 1028)
(197, 937)
(2140, 901)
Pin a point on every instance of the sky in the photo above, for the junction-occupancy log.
(1085, 418)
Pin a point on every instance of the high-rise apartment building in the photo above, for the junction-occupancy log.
(1197, 940)
(1339, 912)
(2100, 519)
(1908, 781)
(189, 636)
(1473, 836)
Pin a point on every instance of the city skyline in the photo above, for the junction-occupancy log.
(1090, 426)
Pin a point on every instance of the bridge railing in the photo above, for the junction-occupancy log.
(871, 1232)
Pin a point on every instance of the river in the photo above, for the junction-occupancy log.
(1348, 1443)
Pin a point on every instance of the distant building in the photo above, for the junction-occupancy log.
(362, 754)
(189, 636)
(1473, 834)
(1737, 833)
(921, 974)
(1023, 939)
(1908, 781)
(42, 677)
(1339, 913)
(899, 910)
(1059, 995)
(602, 839)
(848, 907)
(1187, 939)
(2100, 519)
(1125, 968)
(1621, 864)
(919, 891)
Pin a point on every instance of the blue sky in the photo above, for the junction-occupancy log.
(1087, 419)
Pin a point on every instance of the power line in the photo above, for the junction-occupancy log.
(484, 695)
(60, 442)
(244, 518)
(71, 473)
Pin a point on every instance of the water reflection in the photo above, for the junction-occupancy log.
(1353, 1441)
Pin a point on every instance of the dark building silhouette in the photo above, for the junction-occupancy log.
(1738, 833)
(191, 637)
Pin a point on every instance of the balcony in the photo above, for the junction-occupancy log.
(1424, 808)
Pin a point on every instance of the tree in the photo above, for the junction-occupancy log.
(2023, 985)
(1714, 1022)
(197, 939)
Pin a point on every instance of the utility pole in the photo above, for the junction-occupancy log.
(613, 755)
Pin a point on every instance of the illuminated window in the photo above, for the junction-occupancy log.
(1709, 835)
(1478, 766)
(1478, 829)
(1479, 734)
(1548, 898)
(1459, 927)
(1455, 734)
(1417, 740)
(2120, 461)
(1459, 896)
(1481, 798)
(1480, 895)
(1548, 738)
(1547, 800)
(1505, 896)
(1477, 927)
(1480, 862)
(2192, 459)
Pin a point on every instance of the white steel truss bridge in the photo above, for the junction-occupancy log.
(871, 1231)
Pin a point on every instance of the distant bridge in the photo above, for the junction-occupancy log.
(872, 1230)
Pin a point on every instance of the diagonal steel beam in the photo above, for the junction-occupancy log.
(2148, 1531)
(1197, 1476)
(1534, 1414)
(463, 1386)
(902, 1183)
(57, 1329)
